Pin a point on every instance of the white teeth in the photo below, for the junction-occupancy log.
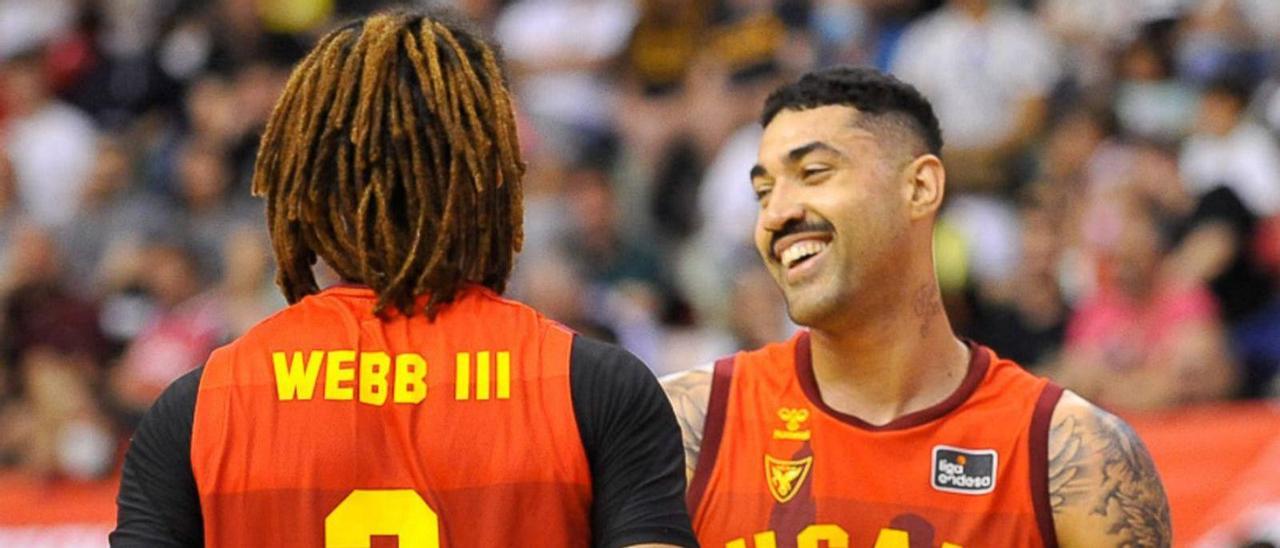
(801, 250)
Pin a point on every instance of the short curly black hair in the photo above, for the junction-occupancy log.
(874, 93)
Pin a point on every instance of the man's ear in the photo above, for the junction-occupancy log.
(926, 183)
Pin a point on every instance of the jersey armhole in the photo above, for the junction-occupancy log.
(1041, 418)
(712, 431)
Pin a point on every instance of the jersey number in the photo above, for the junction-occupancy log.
(391, 512)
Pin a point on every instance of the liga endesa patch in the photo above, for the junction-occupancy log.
(963, 471)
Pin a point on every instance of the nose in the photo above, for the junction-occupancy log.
(782, 209)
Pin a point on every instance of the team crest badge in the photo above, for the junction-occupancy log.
(785, 476)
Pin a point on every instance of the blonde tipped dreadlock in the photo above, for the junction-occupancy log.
(392, 155)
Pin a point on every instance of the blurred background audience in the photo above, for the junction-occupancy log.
(1113, 217)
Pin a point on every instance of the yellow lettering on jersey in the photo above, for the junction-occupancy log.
(374, 367)
(336, 372)
(294, 380)
(830, 536)
(504, 375)
(383, 512)
(411, 374)
(895, 538)
(462, 378)
(767, 539)
(834, 535)
(482, 375)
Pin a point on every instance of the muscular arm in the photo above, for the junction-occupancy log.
(1103, 486)
(689, 392)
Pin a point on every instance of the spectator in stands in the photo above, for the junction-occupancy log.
(1144, 340)
(713, 203)
(1216, 242)
(187, 326)
(1226, 36)
(988, 68)
(53, 352)
(1228, 149)
(1080, 140)
(558, 48)
(208, 115)
(254, 91)
(1090, 32)
(212, 114)
(112, 211)
(1151, 102)
(663, 44)
(550, 282)
(1026, 319)
(246, 292)
(602, 251)
(1213, 235)
(25, 24)
(626, 274)
(654, 70)
(49, 142)
(206, 204)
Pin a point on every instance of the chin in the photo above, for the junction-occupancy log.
(812, 310)
(824, 302)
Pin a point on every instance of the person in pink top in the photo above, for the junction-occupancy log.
(1145, 338)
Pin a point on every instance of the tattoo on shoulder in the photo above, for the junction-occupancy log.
(1098, 465)
(689, 392)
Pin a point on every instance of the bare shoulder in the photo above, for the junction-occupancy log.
(1103, 486)
(689, 392)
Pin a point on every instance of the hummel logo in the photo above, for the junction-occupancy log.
(794, 417)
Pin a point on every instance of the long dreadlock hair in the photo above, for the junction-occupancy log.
(392, 155)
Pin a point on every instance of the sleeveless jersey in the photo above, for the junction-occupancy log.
(780, 468)
(327, 426)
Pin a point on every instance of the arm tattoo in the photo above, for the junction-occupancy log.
(1097, 463)
(689, 392)
(1068, 458)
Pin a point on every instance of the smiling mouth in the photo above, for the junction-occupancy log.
(799, 252)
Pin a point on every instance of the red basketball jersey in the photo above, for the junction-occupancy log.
(327, 426)
(780, 468)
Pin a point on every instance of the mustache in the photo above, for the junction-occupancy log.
(801, 226)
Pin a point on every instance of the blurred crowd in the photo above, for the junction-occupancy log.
(1112, 220)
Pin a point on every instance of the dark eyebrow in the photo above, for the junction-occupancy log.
(800, 152)
(796, 155)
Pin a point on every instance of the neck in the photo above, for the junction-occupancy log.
(898, 360)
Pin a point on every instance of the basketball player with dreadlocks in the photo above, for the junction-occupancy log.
(412, 401)
(876, 426)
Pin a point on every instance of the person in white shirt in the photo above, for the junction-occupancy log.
(988, 68)
(1228, 149)
(556, 48)
(51, 144)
